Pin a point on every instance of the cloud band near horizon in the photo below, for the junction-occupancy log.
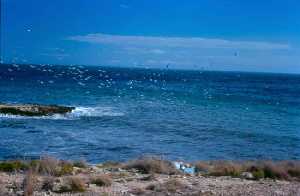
(176, 42)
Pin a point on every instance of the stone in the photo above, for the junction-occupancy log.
(247, 175)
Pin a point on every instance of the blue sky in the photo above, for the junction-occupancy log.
(193, 34)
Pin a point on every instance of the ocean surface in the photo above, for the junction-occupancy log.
(123, 113)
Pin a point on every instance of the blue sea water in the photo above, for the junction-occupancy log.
(123, 113)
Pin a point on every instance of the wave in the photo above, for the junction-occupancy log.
(77, 113)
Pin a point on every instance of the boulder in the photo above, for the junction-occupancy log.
(34, 109)
(247, 175)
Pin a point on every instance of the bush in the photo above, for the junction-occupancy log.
(285, 170)
(102, 180)
(148, 165)
(65, 168)
(226, 168)
(202, 167)
(51, 166)
(258, 174)
(10, 166)
(77, 184)
(72, 184)
(292, 167)
(46, 166)
(275, 171)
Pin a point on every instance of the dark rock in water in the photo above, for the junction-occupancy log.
(34, 109)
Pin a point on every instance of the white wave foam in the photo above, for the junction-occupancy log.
(77, 113)
(95, 112)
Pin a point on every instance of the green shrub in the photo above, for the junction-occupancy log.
(65, 168)
(10, 166)
(258, 174)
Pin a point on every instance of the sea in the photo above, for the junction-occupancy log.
(125, 113)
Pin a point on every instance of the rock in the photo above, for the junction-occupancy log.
(34, 109)
(247, 175)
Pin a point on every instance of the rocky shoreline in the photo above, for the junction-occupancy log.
(145, 176)
(34, 109)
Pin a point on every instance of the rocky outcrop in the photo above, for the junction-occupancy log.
(34, 109)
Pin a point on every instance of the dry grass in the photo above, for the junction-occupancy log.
(219, 168)
(72, 184)
(275, 171)
(77, 184)
(226, 168)
(102, 180)
(51, 166)
(292, 168)
(45, 166)
(286, 170)
(29, 183)
(202, 166)
(149, 165)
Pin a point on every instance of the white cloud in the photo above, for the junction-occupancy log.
(187, 52)
(176, 42)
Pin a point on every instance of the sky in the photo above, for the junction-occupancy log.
(229, 35)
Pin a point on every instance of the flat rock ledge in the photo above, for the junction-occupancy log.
(34, 109)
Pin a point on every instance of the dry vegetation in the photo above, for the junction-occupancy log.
(149, 165)
(145, 176)
(285, 170)
(102, 180)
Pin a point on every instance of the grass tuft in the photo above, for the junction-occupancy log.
(77, 184)
(102, 180)
(149, 165)
(284, 170)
